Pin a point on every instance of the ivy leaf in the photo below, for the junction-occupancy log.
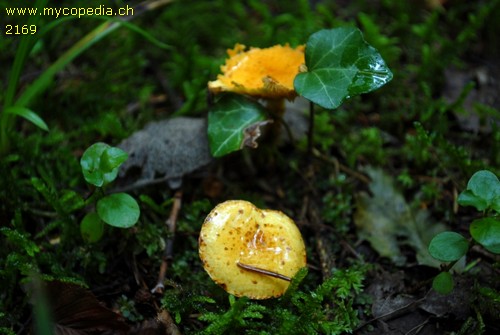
(486, 232)
(234, 121)
(118, 210)
(340, 64)
(483, 191)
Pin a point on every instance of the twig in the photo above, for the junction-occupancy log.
(323, 243)
(169, 248)
(341, 167)
(263, 271)
(140, 184)
(418, 327)
(394, 314)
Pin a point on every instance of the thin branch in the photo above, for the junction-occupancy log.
(169, 248)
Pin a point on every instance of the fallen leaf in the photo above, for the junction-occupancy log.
(162, 324)
(484, 92)
(75, 310)
(388, 222)
(252, 133)
(167, 149)
(399, 311)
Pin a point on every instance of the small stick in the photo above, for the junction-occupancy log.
(395, 313)
(263, 272)
(169, 248)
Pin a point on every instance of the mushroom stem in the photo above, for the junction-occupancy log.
(277, 109)
(262, 271)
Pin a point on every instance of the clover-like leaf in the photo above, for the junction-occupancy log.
(448, 246)
(118, 210)
(468, 198)
(100, 163)
(486, 232)
(231, 122)
(340, 64)
(112, 158)
(483, 191)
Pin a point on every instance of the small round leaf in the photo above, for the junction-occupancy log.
(448, 246)
(487, 233)
(443, 283)
(92, 227)
(118, 210)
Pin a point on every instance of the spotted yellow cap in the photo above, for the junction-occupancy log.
(237, 236)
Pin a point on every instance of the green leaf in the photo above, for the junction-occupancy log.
(112, 158)
(100, 163)
(467, 198)
(483, 191)
(118, 210)
(228, 121)
(448, 246)
(443, 283)
(486, 232)
(340, 64)
(29, 115)
(92, 227)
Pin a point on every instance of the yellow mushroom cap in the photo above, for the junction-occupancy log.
(263, 73)
(235, 232)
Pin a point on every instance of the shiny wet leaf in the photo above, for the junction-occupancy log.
(340, 65)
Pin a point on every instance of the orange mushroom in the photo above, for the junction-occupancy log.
(262, 73)
(251, 252)
(266, 73)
